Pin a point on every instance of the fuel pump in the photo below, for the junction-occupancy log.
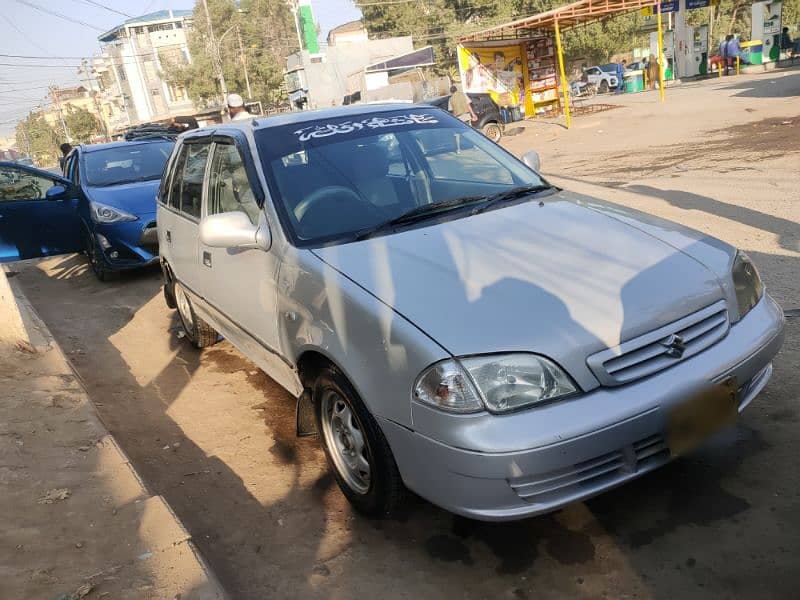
(668, 52)
(766, 26)
(700, 50)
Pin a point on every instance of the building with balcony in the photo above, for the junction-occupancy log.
(129, 69)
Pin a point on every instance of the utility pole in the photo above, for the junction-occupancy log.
(85, 70)
(54, 95)
(244, 63)
(216, 57)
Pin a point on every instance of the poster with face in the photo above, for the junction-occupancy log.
(496, 70)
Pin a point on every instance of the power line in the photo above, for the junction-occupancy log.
(54, 13)
(108, 8)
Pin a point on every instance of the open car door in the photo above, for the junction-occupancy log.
(38, 215)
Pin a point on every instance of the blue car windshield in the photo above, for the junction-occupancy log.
(333, 178)
(126, 164)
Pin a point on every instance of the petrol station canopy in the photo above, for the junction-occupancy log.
(569, 15)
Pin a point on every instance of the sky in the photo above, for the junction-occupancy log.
(26, 31)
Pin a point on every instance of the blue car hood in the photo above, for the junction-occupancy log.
(138, 198)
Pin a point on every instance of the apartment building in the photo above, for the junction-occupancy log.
(129, 69)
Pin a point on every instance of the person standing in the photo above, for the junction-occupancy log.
(723, 51)
(65, 148)
(653, 72)
(461, 106)
(236, 108)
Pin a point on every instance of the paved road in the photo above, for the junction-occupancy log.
(264, 511)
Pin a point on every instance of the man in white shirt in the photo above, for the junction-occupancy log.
(236, 108)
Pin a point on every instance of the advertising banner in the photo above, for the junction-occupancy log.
(496, 70)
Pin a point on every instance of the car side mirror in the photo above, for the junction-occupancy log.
(56, 192)
(234, 230)
(532, 160)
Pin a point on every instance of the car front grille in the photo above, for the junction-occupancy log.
(662, 348)
(599, 472)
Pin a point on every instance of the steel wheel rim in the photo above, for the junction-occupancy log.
(345, 441)
(184, 309)
(493, 132)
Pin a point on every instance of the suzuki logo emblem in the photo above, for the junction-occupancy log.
(675, 346)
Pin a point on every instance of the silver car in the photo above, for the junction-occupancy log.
(458, 326)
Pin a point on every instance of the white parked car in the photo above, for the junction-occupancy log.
(602, 77)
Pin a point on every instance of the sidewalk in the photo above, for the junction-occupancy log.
(77, 521)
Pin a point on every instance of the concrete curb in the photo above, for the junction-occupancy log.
(154, 523)
(12, 330)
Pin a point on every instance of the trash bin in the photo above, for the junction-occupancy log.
(754, 50)
(634, 81)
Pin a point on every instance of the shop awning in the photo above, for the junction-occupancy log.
(569, 15)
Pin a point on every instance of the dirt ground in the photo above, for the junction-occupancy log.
(722, 156)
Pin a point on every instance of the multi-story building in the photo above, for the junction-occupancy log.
(129, 69)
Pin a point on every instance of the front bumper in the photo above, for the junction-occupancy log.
(134, 242)
(597, 452)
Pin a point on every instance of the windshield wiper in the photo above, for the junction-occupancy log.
(415, 215)
(512, 194)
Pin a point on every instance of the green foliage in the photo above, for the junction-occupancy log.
(36, 137)
(267, 35)
(83, 126)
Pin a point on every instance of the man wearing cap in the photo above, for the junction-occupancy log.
(236, 108)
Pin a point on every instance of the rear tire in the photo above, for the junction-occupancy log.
(200, 333)
(357, 451)
(604, 87)
(493, 132)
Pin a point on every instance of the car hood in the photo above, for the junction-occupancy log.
(137, 198)
(558, 278)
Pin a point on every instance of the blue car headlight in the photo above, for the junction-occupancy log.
(102, 213)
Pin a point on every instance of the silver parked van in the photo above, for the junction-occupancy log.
(459, 326)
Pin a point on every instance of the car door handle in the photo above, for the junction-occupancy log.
(207, 258)
(169, 237)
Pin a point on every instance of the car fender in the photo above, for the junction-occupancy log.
(379, 351)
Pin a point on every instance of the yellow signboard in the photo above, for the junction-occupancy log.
(496, 70)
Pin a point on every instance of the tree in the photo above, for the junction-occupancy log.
(35, 136)
(82, 125)
(267, 36)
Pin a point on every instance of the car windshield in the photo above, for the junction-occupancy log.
(126, 164)
(609, 68)
(334, 179)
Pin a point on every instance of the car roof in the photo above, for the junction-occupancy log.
(304, 116)
(118, 144)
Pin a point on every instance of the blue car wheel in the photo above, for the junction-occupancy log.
(101, 271)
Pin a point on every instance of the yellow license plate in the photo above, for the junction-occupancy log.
(695, 420)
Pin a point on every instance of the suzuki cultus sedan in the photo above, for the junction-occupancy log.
(459, 326)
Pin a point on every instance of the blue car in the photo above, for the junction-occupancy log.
(105, 206)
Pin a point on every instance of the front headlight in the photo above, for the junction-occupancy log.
(500, 383)
(746, 282)
(102, 213)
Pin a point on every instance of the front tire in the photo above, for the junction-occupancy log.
(493, 132)
(604, 87)
(356, 448)
(99, 268)
(200, 333)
